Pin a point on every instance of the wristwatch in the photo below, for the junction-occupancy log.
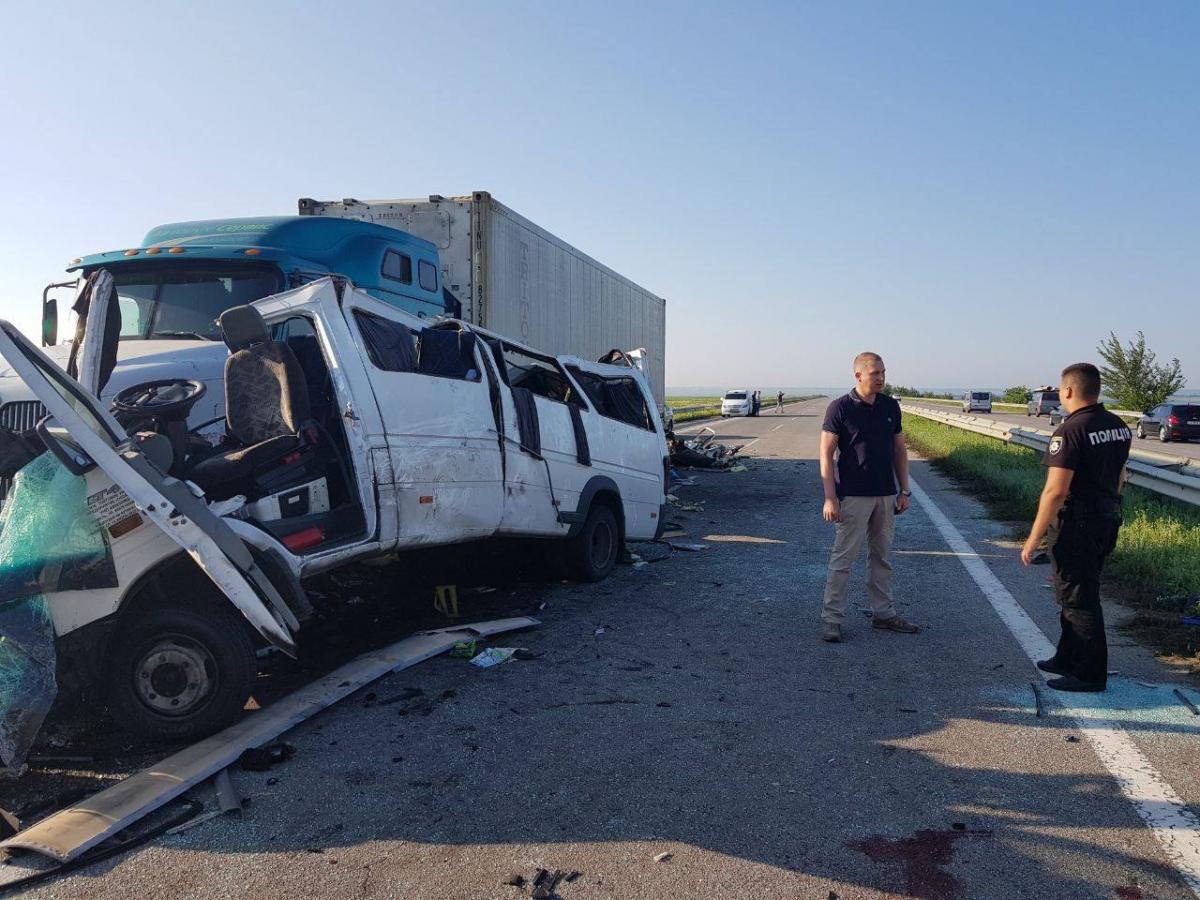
(906, 493)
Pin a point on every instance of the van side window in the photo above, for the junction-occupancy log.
(447, 353)
(397, 266)
(539, 376)
(615, 398)
(390, 345)
(426, 272)
(441, 352)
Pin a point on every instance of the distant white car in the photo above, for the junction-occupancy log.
(737, 403)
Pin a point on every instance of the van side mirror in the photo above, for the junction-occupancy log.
(49, 322)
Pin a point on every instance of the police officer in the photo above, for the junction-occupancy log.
(1081, 509)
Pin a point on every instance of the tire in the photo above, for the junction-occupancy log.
(1141, 432)
(181, 672)
(1164, 436)
(592, 553)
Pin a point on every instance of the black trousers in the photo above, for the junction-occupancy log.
(1081, 541)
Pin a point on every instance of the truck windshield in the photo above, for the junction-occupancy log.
(183, 301)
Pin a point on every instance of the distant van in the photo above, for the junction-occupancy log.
(1042, 403)
(977, 401)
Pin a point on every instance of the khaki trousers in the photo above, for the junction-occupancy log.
(872, 519)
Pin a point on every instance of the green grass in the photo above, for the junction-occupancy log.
(708, 407)
(1157, 560)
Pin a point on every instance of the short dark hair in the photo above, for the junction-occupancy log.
(1085, 378)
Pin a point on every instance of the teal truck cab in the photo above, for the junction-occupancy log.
(184, 275)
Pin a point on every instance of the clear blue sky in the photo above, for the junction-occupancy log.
(978, 191)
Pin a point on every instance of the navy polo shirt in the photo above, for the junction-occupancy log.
(866, 434)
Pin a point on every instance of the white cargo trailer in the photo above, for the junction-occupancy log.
(518, 279)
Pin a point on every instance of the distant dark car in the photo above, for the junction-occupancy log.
(1171, 422)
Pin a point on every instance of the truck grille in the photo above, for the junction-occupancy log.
(22, 415)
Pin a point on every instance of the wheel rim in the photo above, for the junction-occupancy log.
(601, 545)
(175, 675)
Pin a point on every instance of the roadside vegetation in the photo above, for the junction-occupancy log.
(688, 409)
(1157, 561)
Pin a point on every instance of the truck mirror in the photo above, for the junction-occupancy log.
(49, 322)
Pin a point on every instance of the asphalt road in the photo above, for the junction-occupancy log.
(687, 707)
(1042, 423)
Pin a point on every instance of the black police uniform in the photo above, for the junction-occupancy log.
(1094, 444)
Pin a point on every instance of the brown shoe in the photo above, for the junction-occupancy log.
(832, 634)
(895, 623)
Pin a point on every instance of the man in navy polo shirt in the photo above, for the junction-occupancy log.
(863, 429)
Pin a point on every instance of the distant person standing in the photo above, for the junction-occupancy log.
(1080, 507)
(863, 429)
(779, 402)
(755, 403)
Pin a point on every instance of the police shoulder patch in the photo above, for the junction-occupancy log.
(1055, 445)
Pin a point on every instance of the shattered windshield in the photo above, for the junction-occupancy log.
(178, 300)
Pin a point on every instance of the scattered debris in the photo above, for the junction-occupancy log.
(465, 650)
(445, 600)
(1186, 701)
(259, 759)
(1072, 739)
(516, 880)
(526, 655)
(1038, 702)
(228, 798)
(908, 709)
(493, 656)
(544, 883)
(664, 856)
(690, 548)
(739, 468)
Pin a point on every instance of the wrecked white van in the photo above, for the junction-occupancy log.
(138, 555)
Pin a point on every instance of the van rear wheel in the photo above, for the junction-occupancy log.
(180, 672)
(592, 553)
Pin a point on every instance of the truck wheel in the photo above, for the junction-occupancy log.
(181, 673)
(593, 552)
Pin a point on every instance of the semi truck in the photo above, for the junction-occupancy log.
(518, 279)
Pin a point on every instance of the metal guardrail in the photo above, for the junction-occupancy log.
(1146, 468)
(1010, 407)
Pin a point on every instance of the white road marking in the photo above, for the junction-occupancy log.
(1164, 812)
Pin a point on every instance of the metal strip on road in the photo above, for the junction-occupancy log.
(1164, 812)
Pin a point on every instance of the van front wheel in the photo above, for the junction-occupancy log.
(181, 673)
(592, 553)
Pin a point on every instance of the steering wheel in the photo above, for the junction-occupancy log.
(168, 398)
